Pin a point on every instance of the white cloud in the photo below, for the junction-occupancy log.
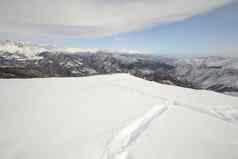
(97, 50)
(95, 17)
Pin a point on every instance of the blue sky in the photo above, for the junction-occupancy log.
(210, 33)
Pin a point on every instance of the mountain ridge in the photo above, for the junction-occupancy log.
(218, 74)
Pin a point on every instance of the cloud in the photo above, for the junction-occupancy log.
(95, 17)
(97, 50)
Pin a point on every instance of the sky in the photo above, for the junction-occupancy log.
(163, 27)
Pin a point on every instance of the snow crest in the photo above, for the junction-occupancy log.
(117, 146)
(226, 113)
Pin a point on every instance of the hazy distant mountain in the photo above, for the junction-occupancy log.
(213, 73)
(19, 60)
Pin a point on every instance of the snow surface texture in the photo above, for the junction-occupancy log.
(114, 117)
(125, 137)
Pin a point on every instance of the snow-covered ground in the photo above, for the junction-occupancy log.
(114, 117)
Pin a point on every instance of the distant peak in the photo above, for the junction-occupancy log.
(25, 48)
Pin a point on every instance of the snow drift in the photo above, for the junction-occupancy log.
(114, 117)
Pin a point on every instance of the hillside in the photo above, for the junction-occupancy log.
(114, 116)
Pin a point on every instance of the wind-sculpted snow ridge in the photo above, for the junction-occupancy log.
(117, 146)
(229, 114)
(225, 113)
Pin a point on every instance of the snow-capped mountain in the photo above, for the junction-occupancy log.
(213, 73)
(114, 117)
(22, 49)
(19, 60)
(30, 50)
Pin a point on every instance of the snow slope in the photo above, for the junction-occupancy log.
(114, 117)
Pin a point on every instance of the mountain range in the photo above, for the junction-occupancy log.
(25, 60)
